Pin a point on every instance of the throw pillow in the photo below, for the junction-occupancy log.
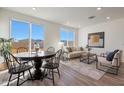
(69, 49)
(72, 49)
(81, 49)
(110, 56)
(116, 50)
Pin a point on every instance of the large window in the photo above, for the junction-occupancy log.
(26, 36)
(20, 33)
(71, 38)
(67, 37)
(37, 36)
(64, 37)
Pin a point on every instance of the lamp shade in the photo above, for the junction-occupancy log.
(61, 44)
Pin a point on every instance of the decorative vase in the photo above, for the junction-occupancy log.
(37, 49)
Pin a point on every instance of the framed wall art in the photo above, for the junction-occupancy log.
(96, 40)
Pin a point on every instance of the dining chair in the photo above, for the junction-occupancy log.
(22, 49)
(15, 67)
(53, 64)
(51, 49)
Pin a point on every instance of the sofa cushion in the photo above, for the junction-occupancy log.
(81, 49)
(104, 61)
(75, 54)
(68, 49)
(77, 48)
(73, 49)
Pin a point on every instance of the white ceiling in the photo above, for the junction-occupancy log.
(72, 16)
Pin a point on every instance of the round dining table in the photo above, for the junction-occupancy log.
(38, 60)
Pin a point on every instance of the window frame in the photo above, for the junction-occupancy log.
(44, 32)
(30, 29)
(68, 30)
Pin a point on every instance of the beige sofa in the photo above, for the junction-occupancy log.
(72, 52)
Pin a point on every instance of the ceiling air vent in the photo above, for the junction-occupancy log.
(91, 17)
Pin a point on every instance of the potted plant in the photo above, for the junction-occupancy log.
(5, 44)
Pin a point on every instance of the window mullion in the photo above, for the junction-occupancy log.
(30, 34)
(67, 38)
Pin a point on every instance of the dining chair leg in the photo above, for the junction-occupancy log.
(9, 80)
(23, 74)
(18, 79)
(53, 77)
(49, 71)
(30, 74)
(58, 72)
(44, 72)
(32, 63)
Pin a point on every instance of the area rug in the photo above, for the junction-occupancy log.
(85, 69)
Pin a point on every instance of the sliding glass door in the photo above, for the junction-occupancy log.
(37, 36)
(71, 38)
(64, 37)
(67, 37)
(20, 33)
(26, 35)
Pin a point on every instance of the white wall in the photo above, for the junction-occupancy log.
(114, 35)
(52, 35)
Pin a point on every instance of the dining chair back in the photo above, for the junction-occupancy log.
(22, 49)
(51, 49)
(57, 56)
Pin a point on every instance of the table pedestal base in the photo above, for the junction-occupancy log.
(38, 74)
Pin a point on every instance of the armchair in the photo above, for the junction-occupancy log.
(109, 66)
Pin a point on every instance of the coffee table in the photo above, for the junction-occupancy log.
(88, 57)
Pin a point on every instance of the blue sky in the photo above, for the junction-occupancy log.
(20, 30)
(67, 35)
(38, 32)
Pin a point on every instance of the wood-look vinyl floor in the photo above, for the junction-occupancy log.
(70, 77)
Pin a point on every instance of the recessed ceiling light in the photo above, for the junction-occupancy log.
(33, 8)
(99, 8)
(108, 17)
